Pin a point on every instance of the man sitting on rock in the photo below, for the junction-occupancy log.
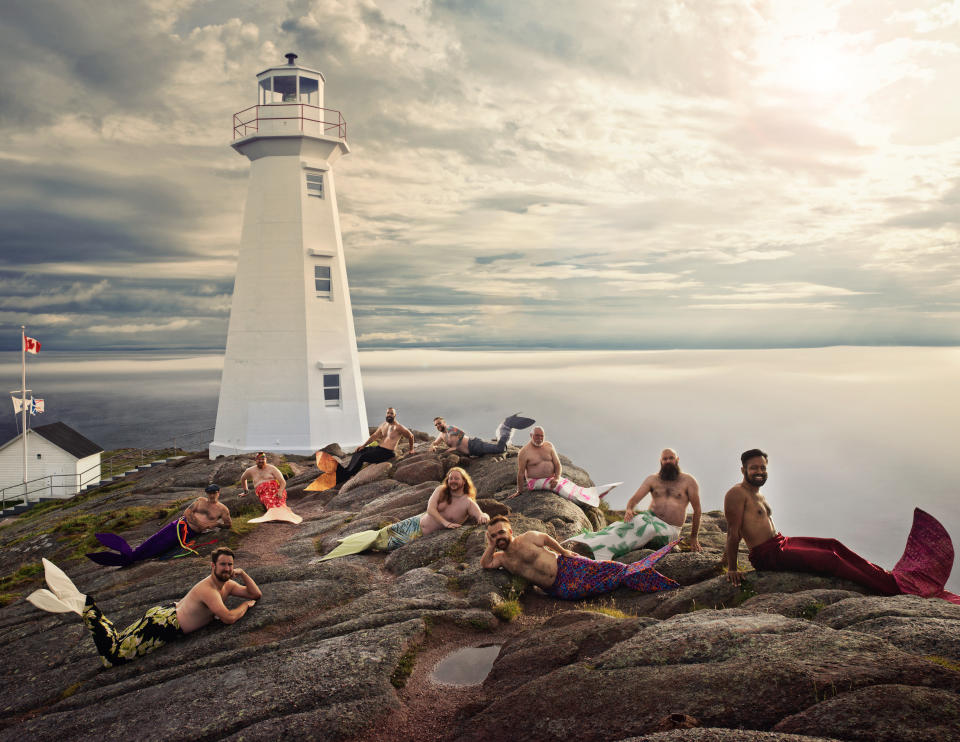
(538, 558)
(160, 624)
(449, 506)
(387, 436)
(271, 488)
(539, 468)
(203, 514)
(922, 570)
(458, 439)
(671, 491)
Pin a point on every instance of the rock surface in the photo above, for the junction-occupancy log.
(341, 650)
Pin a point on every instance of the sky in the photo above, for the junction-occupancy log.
(656, 174)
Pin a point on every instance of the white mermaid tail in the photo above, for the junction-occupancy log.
(62, 597)
(573, 492)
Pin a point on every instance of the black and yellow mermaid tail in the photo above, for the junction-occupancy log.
(158, 626)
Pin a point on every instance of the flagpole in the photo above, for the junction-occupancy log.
(23, 399)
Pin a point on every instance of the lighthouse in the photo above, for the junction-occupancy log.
(291, 375)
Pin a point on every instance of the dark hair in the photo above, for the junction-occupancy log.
(498, 519)
(752, 454)
(217, 553)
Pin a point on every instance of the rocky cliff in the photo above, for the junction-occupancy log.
(343, 650)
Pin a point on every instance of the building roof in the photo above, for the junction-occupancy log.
(65, 437)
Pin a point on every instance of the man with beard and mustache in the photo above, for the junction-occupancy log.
(923, 570)
(539, 468)
(387, 436)
(457, 439)
(537, 557)
(671, 491)
(160, 624)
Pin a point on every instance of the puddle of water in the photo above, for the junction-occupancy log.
(465, 666)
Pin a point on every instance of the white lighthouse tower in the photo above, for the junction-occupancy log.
(291, 376)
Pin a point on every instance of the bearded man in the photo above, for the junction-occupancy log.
(671, 492)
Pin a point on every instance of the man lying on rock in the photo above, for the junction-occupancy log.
(561, 573)
(922, 570)
(203, 514)
(160, 624)
(271, 488)
(539, 468)
(449, 506)
(387, 436)
(671, 491)
(457, 439)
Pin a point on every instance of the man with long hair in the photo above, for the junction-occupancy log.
(449, 506)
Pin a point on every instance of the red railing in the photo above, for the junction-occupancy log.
(246, 123)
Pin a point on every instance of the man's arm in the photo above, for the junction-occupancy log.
(521, 472)
(248, 589)
(191, 509)
(408, 435)
(693, 493)
(545, 539)
(438, 440)
(491, 559)
(376, 435)
(225, 518)
(642, 492)
(214, 601)
(733, 505)
(557, 466)
(278, 476)
(478, 515)
(243, 480)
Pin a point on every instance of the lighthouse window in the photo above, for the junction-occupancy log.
(285, 89)
(321, 279)
(315, 184)
(309, 91)
(331, 389)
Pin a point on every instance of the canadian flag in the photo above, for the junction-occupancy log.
(31, 345)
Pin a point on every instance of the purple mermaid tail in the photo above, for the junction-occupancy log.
(162, 541)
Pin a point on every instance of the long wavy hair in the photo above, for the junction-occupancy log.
(469, 488)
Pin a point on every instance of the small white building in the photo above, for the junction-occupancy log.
(60, 462)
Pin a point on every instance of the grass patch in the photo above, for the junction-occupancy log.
(25, 575)
(943, 662)
(404, 668)
(810, 611)
(608, 608)
(507, 610)
(241, 525)
(458, 552)
(70, 690)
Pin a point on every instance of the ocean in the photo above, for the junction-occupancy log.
(857, 437)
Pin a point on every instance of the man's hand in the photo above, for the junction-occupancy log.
(734, 576)
(695, 545)
(553, 482)
(628, 515)
(251, 603)
(484, 518)
(243, 493)
(515, 494)
(237, 572)
(451, 524)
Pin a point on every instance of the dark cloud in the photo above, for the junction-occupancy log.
(65, 57)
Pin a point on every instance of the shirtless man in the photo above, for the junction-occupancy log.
(206, 513)
(203, 514)
(539, 468)
(538, 459)
(457, 439)
(562, 573)
(923, 570)
(160, 624)
(671, 491)
(387, 435)
(449, 506)
(270, 486)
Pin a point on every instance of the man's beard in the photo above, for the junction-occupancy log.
(502, 543)
(223, 576)
(758, 480)
(537, 444)
(390, 418)
(669, 472)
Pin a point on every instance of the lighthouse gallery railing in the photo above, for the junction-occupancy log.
(247, 121)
